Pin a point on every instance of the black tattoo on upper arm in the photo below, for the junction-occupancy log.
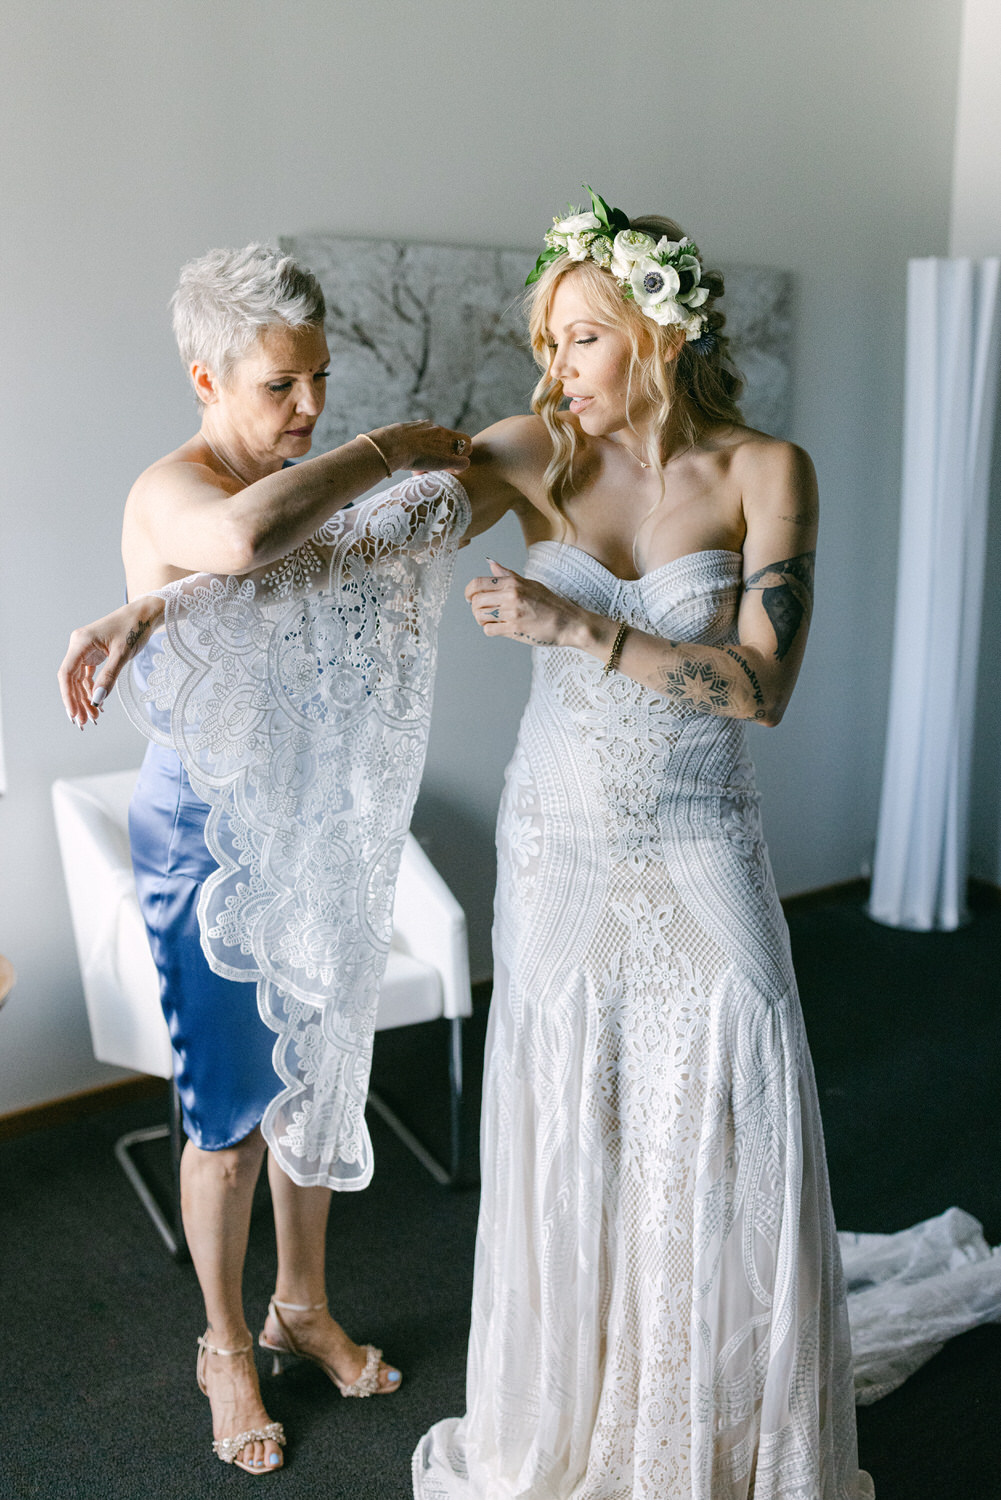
(786, 590)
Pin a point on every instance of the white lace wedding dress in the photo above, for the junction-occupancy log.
(658, 1309)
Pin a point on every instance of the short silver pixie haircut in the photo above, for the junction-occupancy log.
(226, 298)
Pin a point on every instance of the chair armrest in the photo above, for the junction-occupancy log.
(429, 924)
(120, 982)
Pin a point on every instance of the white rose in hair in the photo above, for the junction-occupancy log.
(668, 314)
(668, 247)
(629, 246)
(576, 224)
(653, 284)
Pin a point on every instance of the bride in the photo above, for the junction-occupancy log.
(658, 1304)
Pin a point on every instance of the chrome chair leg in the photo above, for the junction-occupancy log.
(170, 1230)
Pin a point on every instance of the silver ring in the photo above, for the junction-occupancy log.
(459, 446)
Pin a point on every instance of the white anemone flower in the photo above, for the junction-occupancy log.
(653, 284)
(629, 246)
(695, 297)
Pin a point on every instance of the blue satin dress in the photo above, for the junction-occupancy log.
(222, 1048)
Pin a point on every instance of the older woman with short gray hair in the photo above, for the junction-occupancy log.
(249, 326)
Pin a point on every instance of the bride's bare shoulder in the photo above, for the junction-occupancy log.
(515, 440)
(755, 460)
(771, 470)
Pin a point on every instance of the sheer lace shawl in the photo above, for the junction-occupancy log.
(298, 699)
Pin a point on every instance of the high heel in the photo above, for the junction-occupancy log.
(367, 1383)
(227, 1448)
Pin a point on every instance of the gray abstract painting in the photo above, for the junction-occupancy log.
(439, 331)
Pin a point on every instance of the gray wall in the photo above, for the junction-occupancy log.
(814, 134)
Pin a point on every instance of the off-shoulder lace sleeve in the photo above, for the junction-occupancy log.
(298, 699)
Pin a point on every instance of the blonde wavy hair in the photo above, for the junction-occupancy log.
(665, 372)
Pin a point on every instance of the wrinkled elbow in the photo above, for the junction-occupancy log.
(770, 714)
(241, 549)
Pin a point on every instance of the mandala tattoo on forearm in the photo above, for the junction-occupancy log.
(786, 590)
(698, 683)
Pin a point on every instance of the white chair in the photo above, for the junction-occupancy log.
(427, 973)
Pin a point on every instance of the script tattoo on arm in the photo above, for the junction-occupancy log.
(136, 634)
(786, 590)
(752, 679)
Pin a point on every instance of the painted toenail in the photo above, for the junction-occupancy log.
(394, 1375)
(273, 1460)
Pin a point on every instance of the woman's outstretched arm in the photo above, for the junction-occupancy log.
(752, 679)
(197, 521)
(253, 528)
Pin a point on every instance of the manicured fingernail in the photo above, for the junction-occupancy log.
(100, 693)
(394, 1375)
(274, 1460)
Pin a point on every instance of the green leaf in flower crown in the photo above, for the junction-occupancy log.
(610, 218)
(598, 206)
(545, 259)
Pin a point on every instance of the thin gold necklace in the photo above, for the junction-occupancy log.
(235, 472)
(642, 465)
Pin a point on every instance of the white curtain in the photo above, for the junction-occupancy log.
(953, 319)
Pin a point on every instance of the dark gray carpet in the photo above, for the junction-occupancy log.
(97, 1354)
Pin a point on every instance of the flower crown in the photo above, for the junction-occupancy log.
(663, 277)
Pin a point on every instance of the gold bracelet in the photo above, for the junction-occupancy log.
(375, 445)
(615, 654)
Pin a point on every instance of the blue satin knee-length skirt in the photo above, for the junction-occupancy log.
(222, 1047)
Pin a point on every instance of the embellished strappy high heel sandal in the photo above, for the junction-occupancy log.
(227, 1448)
(367, 1383)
